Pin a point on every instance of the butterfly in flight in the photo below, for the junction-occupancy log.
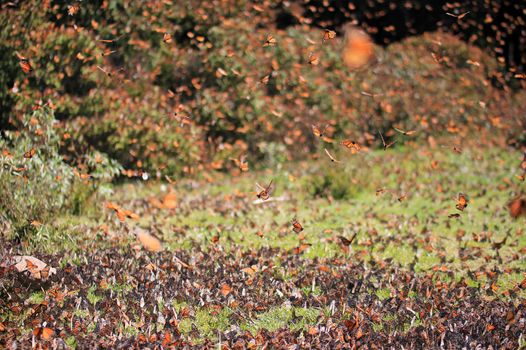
(313, 59)
(265, 192)
(30, 154)
(370, 94)
(271, 41)
(459, 17)
(296, 226)
(328, 35)
(346, 241)
(406, 133)
(24, 63)
(386, 145)
(517, 207)
(331, 157)
(353, 146)
(264, 80)
(167, 38)
(455, 149)
(462, 201)
(241, 163)
(319, 132)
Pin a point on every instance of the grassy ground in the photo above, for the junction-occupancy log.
(413, 274)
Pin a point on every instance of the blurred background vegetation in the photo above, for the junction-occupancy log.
(175, 87)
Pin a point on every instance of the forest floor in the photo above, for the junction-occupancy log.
(233, 274)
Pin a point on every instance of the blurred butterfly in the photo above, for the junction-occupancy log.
(346, 241)
(313, 60)
(264, 193)
(331, 157)
(517, 207)
(296, 226)
(26, 67)
(122, 214)
(462, 201)
(386, 145)
(167, 38)
(455, 149)
(241, 163)
(523, 163)
(73, 9)
(358, 48)
(353, 146)
(107, 53)
(328, 35)
(319, 132)
(380, 191)
(149, 241)
(30, 154)
(407, 133)
(370, 94)
(458, 17)
(271, 41)
(265, 79)
(301, 248)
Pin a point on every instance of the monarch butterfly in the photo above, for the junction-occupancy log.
(265, 79)
(516, 207)
(523, 163)
(346, 241)
(122, 214)
(301, 248)
(26, 67)
(296, 226)
(328, 35)
(458, 17)
(73, 9)
(331, 157)
(149, 241)
(167, 38)
(462, 202)
(271, 41)
(30, 154)
(313, 60)
(241, 163)
(169, 201)
(380, 191)
(358, 48)
(265, 193)
(406, 133)
(386, 145)
(353, 146)
(319, 132)
(370, 94)
(44, 333)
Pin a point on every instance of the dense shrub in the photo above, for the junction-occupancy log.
(36, 183)
(198, 97)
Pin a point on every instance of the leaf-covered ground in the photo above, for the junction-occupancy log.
(234, 274)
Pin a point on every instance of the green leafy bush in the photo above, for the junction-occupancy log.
(35, 181)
